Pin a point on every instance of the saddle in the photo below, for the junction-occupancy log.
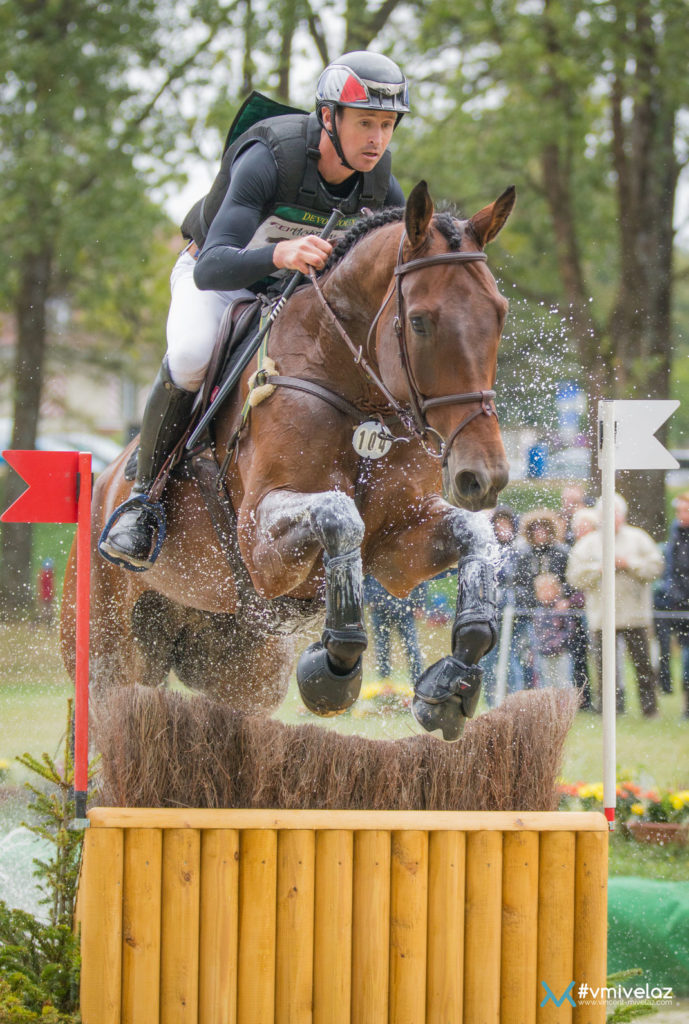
(237, 329)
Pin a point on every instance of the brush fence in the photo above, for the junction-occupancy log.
(332, 917)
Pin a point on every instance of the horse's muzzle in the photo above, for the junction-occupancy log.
(474, 488)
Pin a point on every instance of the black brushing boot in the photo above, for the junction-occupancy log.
(447, 693)
(329, 672)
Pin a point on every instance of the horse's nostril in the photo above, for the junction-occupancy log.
(468, 484)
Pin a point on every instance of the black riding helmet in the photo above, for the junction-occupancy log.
(369, 81)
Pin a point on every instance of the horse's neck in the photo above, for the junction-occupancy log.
(366, 271)
(358, 285)
(310, 346)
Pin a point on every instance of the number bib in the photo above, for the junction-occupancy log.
(372, 440)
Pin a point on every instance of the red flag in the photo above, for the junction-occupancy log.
(51, 494)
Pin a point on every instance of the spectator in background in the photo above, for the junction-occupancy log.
(571, 501)
(637, 563)
(390, 613)
(673, 596)
(45, 593)
(583, 521)
(552, 630)
(505, 524)
(540, 551)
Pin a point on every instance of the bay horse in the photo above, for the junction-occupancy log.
(400, 333)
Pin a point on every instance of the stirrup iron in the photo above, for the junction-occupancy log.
(136, 501)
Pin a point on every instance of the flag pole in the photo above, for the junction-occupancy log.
(606, 420)
(81, 701)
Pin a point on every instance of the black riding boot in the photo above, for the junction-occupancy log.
(167, 411)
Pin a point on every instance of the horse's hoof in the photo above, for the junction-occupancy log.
(445, 696)
(444, 721)
(323, 690)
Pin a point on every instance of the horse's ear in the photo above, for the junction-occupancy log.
(418, 214)
(489, 221)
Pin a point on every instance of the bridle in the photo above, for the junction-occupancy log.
(414, 417)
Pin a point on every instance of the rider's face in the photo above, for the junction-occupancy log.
(364, 135)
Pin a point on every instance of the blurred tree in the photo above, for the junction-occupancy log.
(95, 100)
(583, 104)
(73, 114)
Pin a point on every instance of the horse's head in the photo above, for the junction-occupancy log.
(443, 342)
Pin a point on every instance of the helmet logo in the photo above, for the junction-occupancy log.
(353, 91)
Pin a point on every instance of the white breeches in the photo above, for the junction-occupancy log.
(192, 324)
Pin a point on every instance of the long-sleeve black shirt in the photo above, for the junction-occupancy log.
(225, 263)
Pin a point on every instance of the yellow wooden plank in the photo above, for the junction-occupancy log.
(426, 821)
(179, 941)
(408, 921)
(295, 909)
(590, 922)
(100, 908)
(219, 924)
(143, 850)
(371, 927)
(555, 925)
(482, 927)
(257, 925)
(332, 968)
(446, 880)
(519, 938)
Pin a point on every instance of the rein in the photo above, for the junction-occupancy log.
(414, 419)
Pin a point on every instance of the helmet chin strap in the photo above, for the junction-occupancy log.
(335, 138)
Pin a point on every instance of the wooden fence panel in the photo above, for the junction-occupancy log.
(446, 883)
(371, 928)
(143, 857)
(219, 926)
(257, 926)
(555, 924)
(100, 913)
(482, 928)
(332, 962)
(519, 939)
(590, 921)
(295, 911)
(408, 942)
(179, 940)
(258, 917)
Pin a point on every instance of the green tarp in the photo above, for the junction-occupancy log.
(648, 927)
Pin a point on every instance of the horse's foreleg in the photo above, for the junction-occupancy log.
(447, 693)
(292, 530)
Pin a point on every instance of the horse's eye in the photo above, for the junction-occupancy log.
(420, 325)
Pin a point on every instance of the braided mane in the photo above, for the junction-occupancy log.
(445, 223)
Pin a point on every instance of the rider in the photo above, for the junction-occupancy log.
(276, 180)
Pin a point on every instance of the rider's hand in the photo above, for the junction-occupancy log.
(302, 253)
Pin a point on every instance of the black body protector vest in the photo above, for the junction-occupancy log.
(302, 204)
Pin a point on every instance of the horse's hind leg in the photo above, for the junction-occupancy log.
(245, 669)
(292, 530)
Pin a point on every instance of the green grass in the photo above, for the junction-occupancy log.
(663, 863)
(34, 689)
(33, 693)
